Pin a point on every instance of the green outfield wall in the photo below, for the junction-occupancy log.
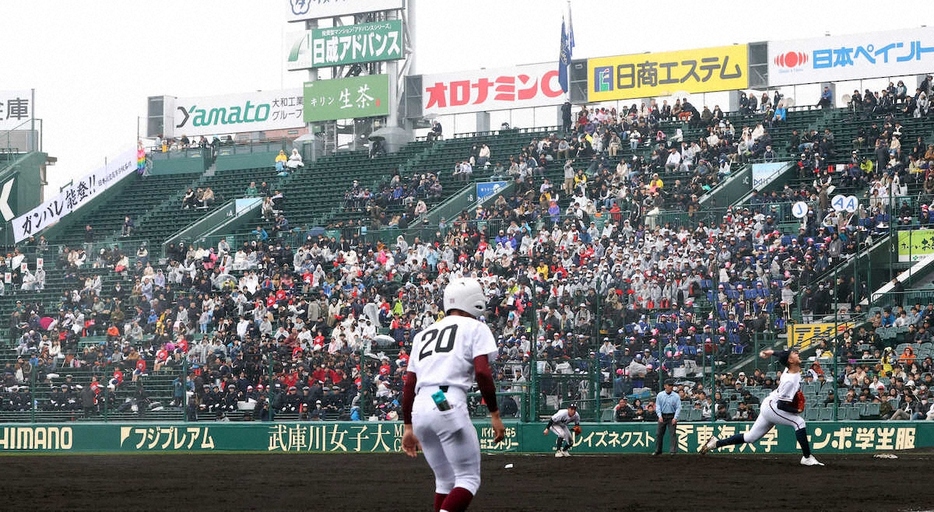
(383, 437)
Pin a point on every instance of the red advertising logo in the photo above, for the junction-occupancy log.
(791, 59)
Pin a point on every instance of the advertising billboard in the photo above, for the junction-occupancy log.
(337, 46)
(851, 57)
(347, 98)
(533, 85)
(15, 109)
(233, 113)
(301, 10)
(647, 75)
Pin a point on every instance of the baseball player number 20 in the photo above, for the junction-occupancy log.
(435, 341)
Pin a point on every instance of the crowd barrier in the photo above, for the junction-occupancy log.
(386, 437)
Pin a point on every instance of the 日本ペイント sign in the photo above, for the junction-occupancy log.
(337, 46)
(534, 85)
(346, 98)
(851, 57)
(661, 74)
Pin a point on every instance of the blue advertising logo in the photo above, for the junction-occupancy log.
(603, 79)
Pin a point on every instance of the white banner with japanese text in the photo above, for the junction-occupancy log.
(532, 85)
(72, 197)
(15, 109)
(852, 57)
(233, 113)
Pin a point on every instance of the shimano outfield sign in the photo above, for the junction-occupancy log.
(233, 113)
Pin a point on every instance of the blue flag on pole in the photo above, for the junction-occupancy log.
(564, 59)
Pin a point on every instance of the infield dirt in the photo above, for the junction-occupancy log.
(357, 482)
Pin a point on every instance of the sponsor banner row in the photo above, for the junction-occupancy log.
(386, 437)
(621, 77)
(74, 196)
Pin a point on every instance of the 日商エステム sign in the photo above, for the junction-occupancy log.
(647, 75)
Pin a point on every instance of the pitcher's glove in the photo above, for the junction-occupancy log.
(577, 429)
(799, 402)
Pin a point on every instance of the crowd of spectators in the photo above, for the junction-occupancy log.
(580, 277)
(395, 203)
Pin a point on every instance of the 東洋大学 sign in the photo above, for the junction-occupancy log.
(350, 44)
(346, 98)
(386, 437)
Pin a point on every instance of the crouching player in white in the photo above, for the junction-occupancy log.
(446, 359)
(782, 407)
(559, 425)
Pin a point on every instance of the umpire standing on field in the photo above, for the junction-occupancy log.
(668, 406)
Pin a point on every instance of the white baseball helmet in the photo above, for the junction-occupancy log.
(466, 295)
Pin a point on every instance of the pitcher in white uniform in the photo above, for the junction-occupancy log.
(781, 407)
(447, 357)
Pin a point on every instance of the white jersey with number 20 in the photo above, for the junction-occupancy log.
(443, 354)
